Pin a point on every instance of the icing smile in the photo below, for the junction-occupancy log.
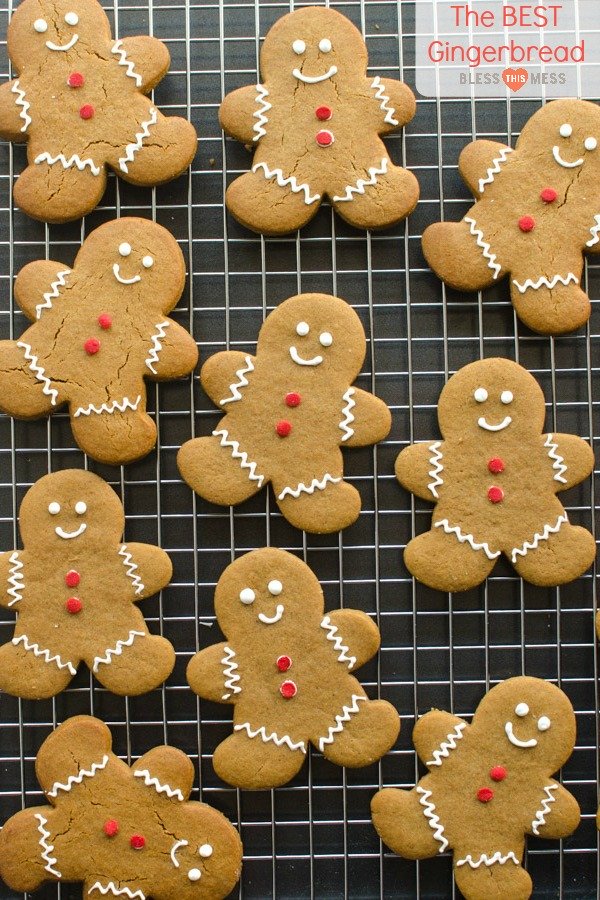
(67, 46)
(272, 619)
(508, 728)
(314, 79)
(67, 535)
(315, 361)
(121, 280)
(483, 423)
(562, 162)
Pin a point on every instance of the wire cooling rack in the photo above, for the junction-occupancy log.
(313, 838)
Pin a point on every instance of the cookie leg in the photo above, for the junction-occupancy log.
(25, 674)
(136, 669)
(440, 561)
(495, 882)
(254, 764)
(265, 206)
(322, 511)
(401, 824)
(22, 867)
(563, 557)
(389, 200)
(25, 398)
(365, 737)
(214, 473)
(457, 256)
(54, 194)
(168, 152)
(116, 437)
(549, 310)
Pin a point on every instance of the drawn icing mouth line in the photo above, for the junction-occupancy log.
(562, 162)
(315, 361)
(515, 740)
(121, 280)
(68, 46)
(67, 535)
(314, 79)
(483, 423)
(271, 620)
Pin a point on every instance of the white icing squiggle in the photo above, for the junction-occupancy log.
(176, 846)
(38, 371)
(380, 94)
(595, 233)
(241, 382)
(543, 536)
(494, 168)
(35, 649)
(117, 650)
(348, 417)
(136, 146)
(279, 740)
(54, 292)
(486, 860)
(432, 817)
(543, 811)
(22, 102)
(110, 408)
(117, 49)
(347, 712)
(466, 538)
(157, 337)
(443, 751)
(478, 235)
(111, 888)
(342, 649)
(15, 579)
(72, 161)
(131, 569)
(282, 181)
(77, 779)
(229, 673)
(48, 849)
(241, 455)
(545, 282)
(158, 787)
(434, 459)
(259, 115)
(559, 461)
(315, 485)
(362, 183)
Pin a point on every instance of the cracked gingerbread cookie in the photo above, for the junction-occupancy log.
(537, 213)
(315, 121)
(488, 785)
(79, 102)
(122, 831)
(74, 587)
(98, 330)
(288, 412)
(288, 670)
(494, 479)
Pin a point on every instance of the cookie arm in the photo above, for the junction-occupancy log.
(571, 457)
(366, 419)
(558, 814)
(11, 578)
(38, 284)
(173, 352)
(14, 112)
(148, 567)
(149, 56)
(420, 469)
(436, 734)
(353, 635)
(75, 745)
(480, 161)
(224, 376)
(166, 770)
(214, 675)
(396, 102)
(236, 114)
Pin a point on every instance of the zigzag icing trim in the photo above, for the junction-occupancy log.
(543, 536)
(559, 460)
(434, 459)
(433, 818)
(494, 168)
(544, 810)
(347, 712)
(545, 282)
(157, 337)
(111, 888)
(120, 405)
(124, 61)
(229, 673)
(241, 455)
(466, 538)
(362, 183)
(348, 417)
(15, 579)
(380, 94)
(595, 233)
(283, 182)
(54, 292)
(117, 650)
(48, 849)
(279, 740)
(22, 102)
(35, 649)
(338, 646)
(259, 115)
(485, 860)
(443, 751)
(74, 160)
(478, 235)
(136, 146)
(77, 779)
(241, 382)
(159, 788)
(315, 485)
(38, 371)
(131, 568)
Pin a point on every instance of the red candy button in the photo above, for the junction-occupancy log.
(526, 223)
(137, 841)
(75, 80)
(495, 466)
(288, 690)
(91, 346)
(104, 321)
(110, 828)
(549, 195)
(283, 663)
(87, 111)
(72, 578)
(292, 399)
(498, 773)
(324, 138)
(323, 113)
(495, 495)
(283, 428)
(485, 795)
(74, 605)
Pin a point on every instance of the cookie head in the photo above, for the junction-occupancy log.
(571, 129)
(55, 29)
(491, 397)
(70, 509)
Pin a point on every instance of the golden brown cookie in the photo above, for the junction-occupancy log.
(79, 102)
(122, 831)
(98, 330)
(74, 587)
(494, 479)
(488, 785)
(288, 411)
(537, 212)
(315, 120)
(286, 668)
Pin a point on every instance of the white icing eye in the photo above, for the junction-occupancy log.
(80, 507)
(40, 25)
(324, 45)
(302, 328)
(480, 395)
(590, 143)
(506, 397)
(247, 596)
(298, 47)
(71, 18)
(521, 709)
(544, 723)
(325, 339)
(194, 874)
(124, 249)
(148, 262)
(205, 851)
(566, 130)
(275, 587)
(54, 508)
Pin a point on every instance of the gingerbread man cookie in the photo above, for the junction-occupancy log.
(79, 103)
(494, 480)
(99, 329)
(73, 587)
(122, 831)
(488, 785)
(287, 669)
(537, 212)
(315, 121)
(288, 410)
